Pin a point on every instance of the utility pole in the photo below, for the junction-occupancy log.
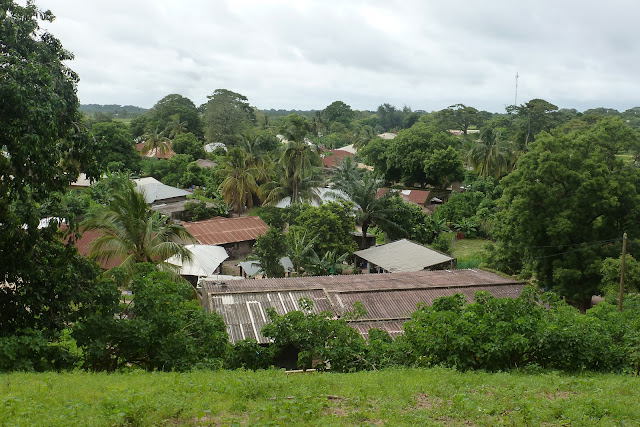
(515, 101)
(624, 257)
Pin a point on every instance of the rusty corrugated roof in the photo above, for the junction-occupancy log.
(389, 299)
(218, 231)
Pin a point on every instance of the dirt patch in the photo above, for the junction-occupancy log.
(556, 395)
(424, 401)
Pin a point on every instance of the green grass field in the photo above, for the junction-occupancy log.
(393, 397)
(469, 252)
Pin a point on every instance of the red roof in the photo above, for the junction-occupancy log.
(83, 245)
(335, 157)
(417, 197)
(218, 231)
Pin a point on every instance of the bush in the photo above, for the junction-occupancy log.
(163, 329)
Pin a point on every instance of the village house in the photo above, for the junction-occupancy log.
(236, 235)
(401, 256)
(389, 299)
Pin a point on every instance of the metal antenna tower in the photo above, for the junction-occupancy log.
(515, 102)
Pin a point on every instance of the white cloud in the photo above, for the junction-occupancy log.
(306, 54)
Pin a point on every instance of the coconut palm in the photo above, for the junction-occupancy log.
(371, 209)
(492, 156)
(175, 127)
(291, 187)
(240, 185)
(346, 171)
(299, 162)
(130, 230)
(155, 143)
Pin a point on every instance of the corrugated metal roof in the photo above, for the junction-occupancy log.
(205, 259)
(218, 231)
(84, 247)
(403, 255)
(388, 298)
(155, 191)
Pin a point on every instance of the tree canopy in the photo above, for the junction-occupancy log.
(227, 114)
(566, 206)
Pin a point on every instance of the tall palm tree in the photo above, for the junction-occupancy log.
(362, 136)
(346, 171)
(289, 186)
(130, 230)
(240, 185)
(371, 209)
(492, 156)
(156, 143)
(300, 162)
(175, 127)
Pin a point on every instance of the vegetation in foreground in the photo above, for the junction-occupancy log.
(395, 397)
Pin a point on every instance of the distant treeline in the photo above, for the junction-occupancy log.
(114, 110)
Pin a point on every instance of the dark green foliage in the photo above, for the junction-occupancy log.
(170, 108)
(329, 225)
(419, 148)
(502, 333)
(249, 354)
(29, 350)
(163, 329)
(268, 249)
(197, 210)
(187, 143)
(316, 336)
(114, 143)
(227, 114)
(443, 167)
(179, 171)
(568, 195)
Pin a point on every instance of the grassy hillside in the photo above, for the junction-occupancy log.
(393, 397)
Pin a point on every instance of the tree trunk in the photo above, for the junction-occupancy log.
(365, 227)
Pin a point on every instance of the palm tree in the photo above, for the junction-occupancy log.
(300, 162)
(492, 156)
(362, 136)
(130, 230)
(300, 248)
(156, 143)
(289, 186)
(240, 185)
(346, 171)
(371, 209)
(330, 263)
(175, 127)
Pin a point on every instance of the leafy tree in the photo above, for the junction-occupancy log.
(198, 210)
(412, 149)
(130, 230)
(187, 143)
(389, 117)
(227, 114)
(161, 330)
(460, 116)
(115, 144)
(443, 167)
(532, 118)
(567, 199)
(174, 114)
(46, 284)
(269, 248)
(339, 112)
(329, 226)
(316, 336)
(375, 154)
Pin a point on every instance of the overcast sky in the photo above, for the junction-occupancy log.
(305, 54)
